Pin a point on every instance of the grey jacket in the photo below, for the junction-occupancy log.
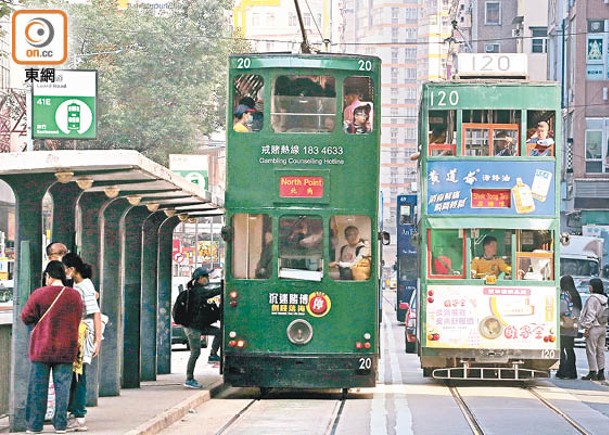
(592, 307)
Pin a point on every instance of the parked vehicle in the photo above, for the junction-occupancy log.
(582, 256)
(411, 325)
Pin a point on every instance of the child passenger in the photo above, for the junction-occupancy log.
(361, 120)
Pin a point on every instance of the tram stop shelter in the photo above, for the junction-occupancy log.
(118, 210)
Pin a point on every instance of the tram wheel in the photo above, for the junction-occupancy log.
(344, 393)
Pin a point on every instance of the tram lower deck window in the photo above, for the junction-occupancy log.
(300, 247)
(252, 246)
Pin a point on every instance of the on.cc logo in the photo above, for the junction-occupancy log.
(40, 37)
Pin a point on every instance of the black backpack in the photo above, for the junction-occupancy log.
(182, 314)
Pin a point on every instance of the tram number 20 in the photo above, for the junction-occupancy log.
(244, 62)
(548, 353)
(365, 364)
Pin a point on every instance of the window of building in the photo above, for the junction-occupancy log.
(394, 34)
(394, 101)
(410, 53)
(394, 55)
(539, 41)
(394, 15)
(411, 73)
(492, 13)
(307, 20)
(292, 20)
(594, 146)
(492, 47)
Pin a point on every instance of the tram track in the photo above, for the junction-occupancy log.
(331, 427)
(477, 427)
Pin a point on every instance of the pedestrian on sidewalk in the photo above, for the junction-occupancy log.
(90, 339)
(570, 309)
(54, 311)
(203, 315)
(595, 330)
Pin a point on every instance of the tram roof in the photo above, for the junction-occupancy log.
(490, 82)
(128, 170)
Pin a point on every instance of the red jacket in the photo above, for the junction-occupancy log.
(56, 337)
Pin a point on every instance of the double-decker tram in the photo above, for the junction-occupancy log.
(489, 228)
(302, 193)
(407, 263)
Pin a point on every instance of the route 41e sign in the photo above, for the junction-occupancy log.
(65, 108)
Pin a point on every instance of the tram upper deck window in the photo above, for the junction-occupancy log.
(303, 104)
(358, 109)
(350, 256)
(446, 251)
(252, 246)
(442, 133)
(300, 247)
(540, 133)
(534, 256)
(248, 94)
(491, 253)
(491, 132)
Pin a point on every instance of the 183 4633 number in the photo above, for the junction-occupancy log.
(327, 150)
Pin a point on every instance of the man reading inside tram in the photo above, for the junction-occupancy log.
(489, 263)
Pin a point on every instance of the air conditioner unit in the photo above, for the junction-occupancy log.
(491, 48)
(516, 32)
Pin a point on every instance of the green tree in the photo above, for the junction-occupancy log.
(161, 77)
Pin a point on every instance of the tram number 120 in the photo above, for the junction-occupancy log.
(365, 364)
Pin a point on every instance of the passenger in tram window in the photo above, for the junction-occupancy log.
(542, 139)
(489, 263)
(361, 120)
(352, 100)
(352, 255)
(243, 119)
(503, 144)
(263, 268)
(256, 115)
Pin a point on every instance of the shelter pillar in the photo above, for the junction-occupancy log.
(64, 212)
(163, 325)
(111, 296)
(29, 190)
(132, 290)
(90, 205)
(150, 246)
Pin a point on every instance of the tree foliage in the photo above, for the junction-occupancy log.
(161, 77)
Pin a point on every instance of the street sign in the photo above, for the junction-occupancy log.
(178, 257)
(193, 167)
(65, 108)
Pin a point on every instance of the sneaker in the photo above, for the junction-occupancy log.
(77, 424)
(33, 431)
(213, 358)
(61, 431)
(192, 383)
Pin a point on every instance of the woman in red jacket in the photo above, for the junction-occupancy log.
(54, 311)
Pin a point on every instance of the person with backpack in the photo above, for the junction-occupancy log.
(196, 314)
(570, 309)
(594, 320)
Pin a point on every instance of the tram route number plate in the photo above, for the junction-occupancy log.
(548, 353)
(364, 365)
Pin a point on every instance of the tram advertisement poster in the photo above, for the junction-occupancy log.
(494, 317)
(491, 188)
(65, 108)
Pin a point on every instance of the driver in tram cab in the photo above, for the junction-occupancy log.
(489, 263)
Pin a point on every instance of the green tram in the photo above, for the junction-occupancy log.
(301, 291)
(489, 229)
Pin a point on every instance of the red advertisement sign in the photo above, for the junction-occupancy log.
(491, 198)
(301, 187)
(176, 246)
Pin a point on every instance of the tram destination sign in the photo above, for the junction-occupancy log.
(492, 65)
(66, 108)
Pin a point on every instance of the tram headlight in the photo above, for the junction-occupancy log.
(233, 298)
(299, 332)
(367, 336)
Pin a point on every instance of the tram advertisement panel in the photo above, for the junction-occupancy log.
(491, 188)
(491, 317)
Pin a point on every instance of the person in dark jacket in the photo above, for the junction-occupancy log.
(570, 307)
(200, 324)
(54, 311)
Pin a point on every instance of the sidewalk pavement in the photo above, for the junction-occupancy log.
(154, 406)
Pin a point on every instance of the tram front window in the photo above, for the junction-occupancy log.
(350, 256)
(252, 246)
(304, 104)
(300, 247)
(446, 254)
(491, 253)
